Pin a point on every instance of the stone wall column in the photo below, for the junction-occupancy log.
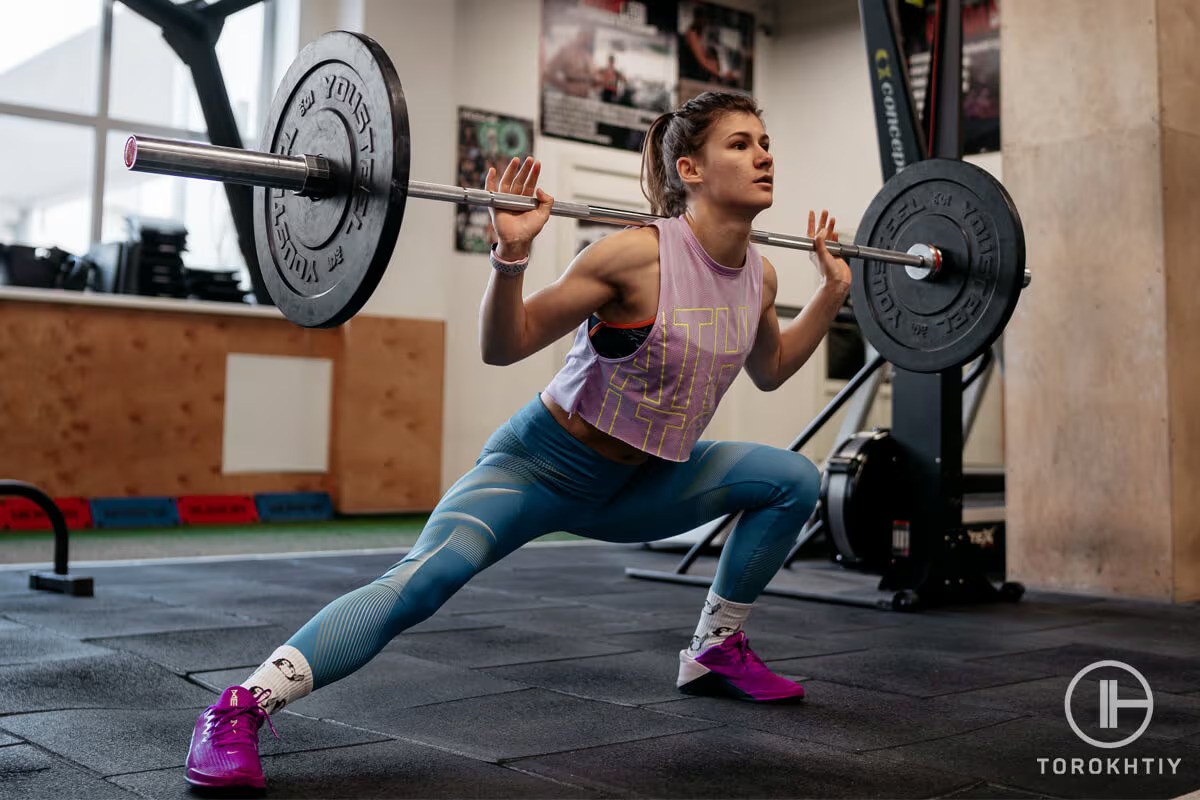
(1101, 145)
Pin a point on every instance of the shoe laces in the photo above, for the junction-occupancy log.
(745, 654)
(223, 728)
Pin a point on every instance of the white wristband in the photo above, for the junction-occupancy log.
(508, 267)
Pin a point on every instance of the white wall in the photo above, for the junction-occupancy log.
(812, 82)
(496, 55)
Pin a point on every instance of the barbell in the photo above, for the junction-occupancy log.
(332, 183)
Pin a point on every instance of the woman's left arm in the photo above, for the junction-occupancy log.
(778, 354)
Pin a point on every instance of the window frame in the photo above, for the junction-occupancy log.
(102, 123)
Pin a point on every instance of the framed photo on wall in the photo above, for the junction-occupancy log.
(607, 69)
(485, 140)
(716, 49)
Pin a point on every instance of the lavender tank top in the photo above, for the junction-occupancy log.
(661, 398)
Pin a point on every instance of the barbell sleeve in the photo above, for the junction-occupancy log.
(308, 175)
(312, 175)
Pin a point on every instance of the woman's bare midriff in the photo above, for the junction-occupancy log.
(608, 446)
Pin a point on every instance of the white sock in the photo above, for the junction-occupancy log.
(286, 674)
(720, 619)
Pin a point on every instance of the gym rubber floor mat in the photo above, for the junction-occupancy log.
(521, 688)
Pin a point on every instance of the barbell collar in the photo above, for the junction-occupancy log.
(315, 176)
(927, 252)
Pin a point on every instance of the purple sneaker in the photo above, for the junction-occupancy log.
(224, 750)
(731, 669)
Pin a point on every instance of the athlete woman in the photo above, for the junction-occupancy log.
(665, 317)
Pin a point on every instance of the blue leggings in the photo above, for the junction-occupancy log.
(534, 478)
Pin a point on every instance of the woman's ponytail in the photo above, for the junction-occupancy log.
(656, 183)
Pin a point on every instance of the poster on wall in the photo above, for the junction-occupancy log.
(716, 49)
(608, 68)
(981, 65)
(485, 140)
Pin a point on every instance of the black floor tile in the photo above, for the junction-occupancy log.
(477, 599)
(1150, 612)
(494, 647)
(551, 583)
(107, 598)
(580, 621)
(732, 762)
(15, 583)
(991, 791)
(117, 680)
(235, 595)
(383, 770)
(285, 571)
(917, 674)
(1008, 754)
(378, 694)
(650, 598)
(769, 645)
(533, 722)
(20, 644)
(145, 618)
(590, 564)
(803, 618)
(1164, 673)
(158, 738)
(961, 641)
(1028, 616)
(192, 651)
(291, 620)
(595, 556)
(1174, 716)
(1166, 637)
(317, 587)
(845, 717)
(357, 563)
(629, 678)
(27, 773)
(133, 576)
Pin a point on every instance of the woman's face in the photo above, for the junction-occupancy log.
(734, 166)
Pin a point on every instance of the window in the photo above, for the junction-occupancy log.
(45, 199)
(45, 50)
(76, 78)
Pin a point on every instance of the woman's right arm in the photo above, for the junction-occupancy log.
(513, 327)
